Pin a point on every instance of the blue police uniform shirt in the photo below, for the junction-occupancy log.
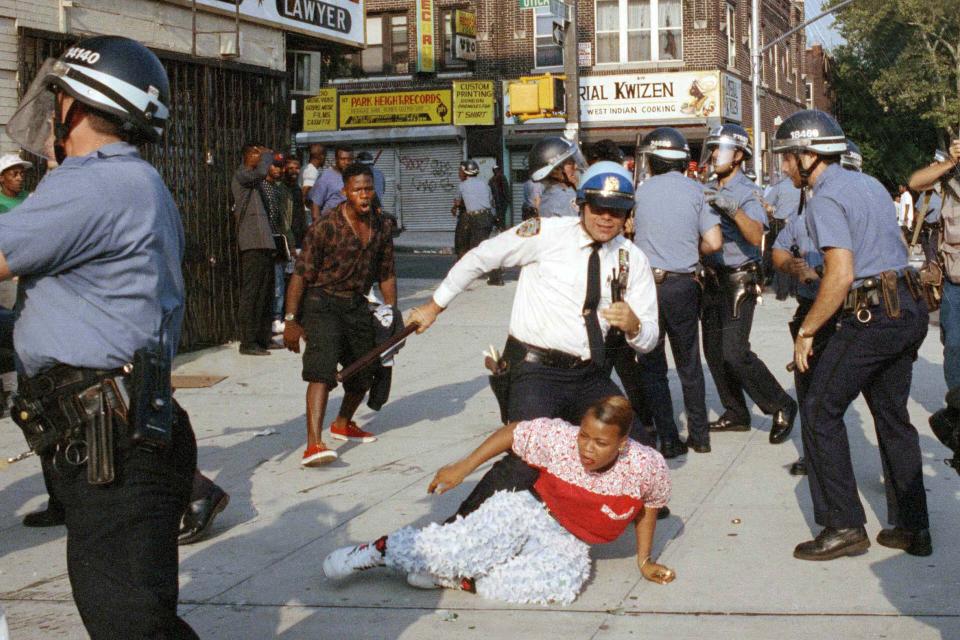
(932, 214)
(736, 250)
(851, 210)
(327, 191)
(796, 234)
(475, 194)
(784, 198)
(671, 215)
(531, 191)
(98, 249)
(558, 201)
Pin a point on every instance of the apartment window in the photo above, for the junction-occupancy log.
(548, 53)
(787, 67)
(449, 62)
(304, 67)
(776, 67)
(386, 51)
(731, 36)
(808, 95)
(639, 30)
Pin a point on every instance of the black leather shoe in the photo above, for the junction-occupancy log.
(46, 518)
(833, 543)
(799, 468)
(664, 513)
(253, 350)
(783, 423)
(725, 424)
(700, 446)
(495, 283)
(200, 514)
(916, 543)
(672, 449)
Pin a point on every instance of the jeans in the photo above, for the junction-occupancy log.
(950, 333)
(279, 289)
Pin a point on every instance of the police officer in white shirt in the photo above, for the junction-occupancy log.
(563, 309)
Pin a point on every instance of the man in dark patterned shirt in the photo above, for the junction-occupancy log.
(346, 251)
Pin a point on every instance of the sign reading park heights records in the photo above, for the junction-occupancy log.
(426, 62)
(320, 111)
(650, 97)
(338, 20)
(396, 109)
(473, 102)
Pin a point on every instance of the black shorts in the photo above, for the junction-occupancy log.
(338, 330)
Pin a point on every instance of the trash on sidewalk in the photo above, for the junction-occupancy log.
(265, 432)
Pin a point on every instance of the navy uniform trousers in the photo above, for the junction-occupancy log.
(679, 300)
(733, 364)
(122, 538)
(874, 358)
(538, 391)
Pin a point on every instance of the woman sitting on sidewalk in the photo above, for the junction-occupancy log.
(533, 546)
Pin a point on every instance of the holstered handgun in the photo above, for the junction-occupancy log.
(890, 292)
(98, 435)
(740, 285)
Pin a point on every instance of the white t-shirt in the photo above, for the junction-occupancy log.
(905, 210)
(309, 174)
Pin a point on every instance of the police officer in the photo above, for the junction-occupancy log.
(794, 253)
(475, 203)
(781, 201)
(98, 249)
(732, 288)
(554, 161)
(563, 309)
(883, 322)
(673, 226)
(929, 203)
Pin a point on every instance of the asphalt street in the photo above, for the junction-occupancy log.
(737, 514)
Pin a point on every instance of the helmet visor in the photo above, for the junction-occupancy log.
(31, 126)
(718, 157)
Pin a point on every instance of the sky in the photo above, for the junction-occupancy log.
(821, 31)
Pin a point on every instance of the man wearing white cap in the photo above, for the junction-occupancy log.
(12, 173)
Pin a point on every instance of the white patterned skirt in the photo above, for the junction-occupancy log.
(511, 547)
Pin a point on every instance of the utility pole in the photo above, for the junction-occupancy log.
(756, 56)
(570, 67)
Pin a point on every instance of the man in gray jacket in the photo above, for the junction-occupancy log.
(257, 251)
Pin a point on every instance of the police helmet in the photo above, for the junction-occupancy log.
(810, 130)
(549, 154)
(113, 75)
(732, 135)
(470, 167)
(606, 185)
(365, 157)
(663, 149)
(852, 158)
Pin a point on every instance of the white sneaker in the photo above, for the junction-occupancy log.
(279, 326)
(347, 560)
(426, 580)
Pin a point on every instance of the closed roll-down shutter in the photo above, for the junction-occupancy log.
(385, 160)
(428, 184)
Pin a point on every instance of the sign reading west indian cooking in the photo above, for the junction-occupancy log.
(336, 20)
(691, 96)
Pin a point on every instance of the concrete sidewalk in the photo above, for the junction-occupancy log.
(439, 242)
(737, 515)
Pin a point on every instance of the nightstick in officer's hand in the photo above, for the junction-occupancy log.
(621, 316)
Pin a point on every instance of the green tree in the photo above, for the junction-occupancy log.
(897, 80)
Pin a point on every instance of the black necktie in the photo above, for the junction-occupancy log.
(590, 304)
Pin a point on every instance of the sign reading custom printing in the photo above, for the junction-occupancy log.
(426, 62)
(691, 96)
(320, 111)
(339, 20)
(396, 109)
(473, 102)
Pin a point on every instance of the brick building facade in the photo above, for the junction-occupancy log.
(650, 45)
(818, 91)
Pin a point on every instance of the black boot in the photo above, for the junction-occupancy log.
(200, 514)
(916, 543)
(833, 543)
(49, 517)
(783, 423)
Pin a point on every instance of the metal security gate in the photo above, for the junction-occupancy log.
(518, 176)
(428, 184)
(216, 108)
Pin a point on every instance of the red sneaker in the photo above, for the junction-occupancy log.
(351, 432)
(317, 455)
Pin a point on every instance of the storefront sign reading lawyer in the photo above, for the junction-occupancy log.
(654, 96)
(338, 20)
